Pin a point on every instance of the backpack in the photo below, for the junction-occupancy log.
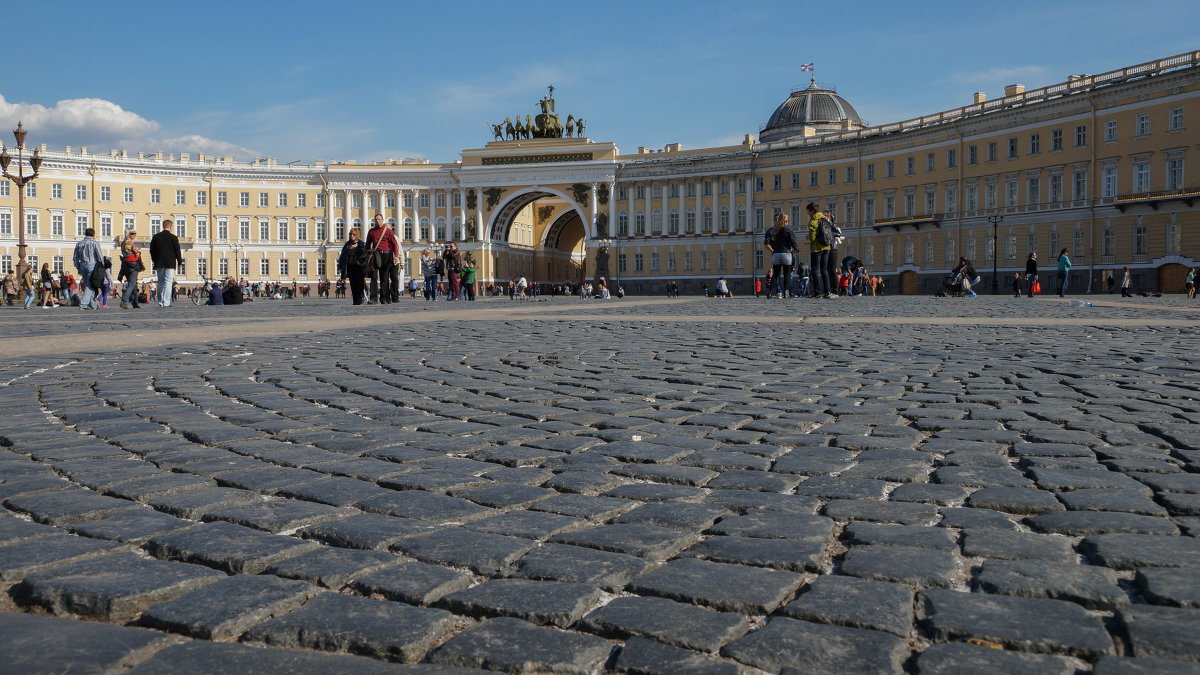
(825, 235)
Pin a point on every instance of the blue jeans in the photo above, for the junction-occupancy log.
(1029, 284)
(88, 299)
(129, 292)
(819, 262)
(166, 285)
(1063, 279)
(29, 297)
(431, 287)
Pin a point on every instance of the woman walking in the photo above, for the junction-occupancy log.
(348, 265)
(1126, 283)
(1190, 283)
(430, 273)
(780, 243)
(1064, 272)
(131, 264)
(48, 299)
(1031, 273)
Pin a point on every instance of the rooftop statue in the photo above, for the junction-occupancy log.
(547, 124)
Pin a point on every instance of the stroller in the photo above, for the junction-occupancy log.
(958, 283)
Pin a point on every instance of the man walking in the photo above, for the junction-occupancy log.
(166, 256)
(87, 256)
(382, 242)
(819, 254)
(452, 260)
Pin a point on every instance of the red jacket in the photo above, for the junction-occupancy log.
(382, 239)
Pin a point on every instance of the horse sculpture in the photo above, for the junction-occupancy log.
(510, 132)
(570, 126)
(497, 131)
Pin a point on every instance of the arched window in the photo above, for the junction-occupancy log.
(456, 228)
(639, 224)
(673, 220)
(623, 224)
(424, 229)
(408, 229)
(724, 219)
(339, 229)
(706, 223)
(441, 228)
(656, 220)
(689, 221)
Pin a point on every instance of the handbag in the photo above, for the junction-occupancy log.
(1037, 286)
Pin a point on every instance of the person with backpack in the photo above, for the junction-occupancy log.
(780, 243)
(820, 242)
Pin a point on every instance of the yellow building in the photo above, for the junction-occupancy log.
(1097, 165)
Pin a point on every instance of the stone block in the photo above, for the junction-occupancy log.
(855, 602)
(1162, 632)
(1090, 586)
(479, 551)
(725, 587)
(227, 547)
(552, 603)
(650, 657)
(667, 621)
(416, 583)
(45, 644)
(513, 645)
(227, 607)
(804, 647)
(644, 541)
(559, 562)
(954, 658)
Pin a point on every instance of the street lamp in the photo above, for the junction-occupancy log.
(20, 180)
(604, 245)
(995, 219)
(237, 249)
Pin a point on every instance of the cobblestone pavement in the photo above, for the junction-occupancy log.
(863, 485)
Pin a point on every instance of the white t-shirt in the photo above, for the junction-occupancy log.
(522, 283)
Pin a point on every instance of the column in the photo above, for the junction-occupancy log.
(592, 226)
(328, 217)
(366, 209)
(612, 212)
(382, 204)
(699, 204)
(629, 192)
(732, 204)
(666, 206)
(480, 234)
(716, 206)
(399, 215)
(681, 206)
(462, 213)
(346, 215)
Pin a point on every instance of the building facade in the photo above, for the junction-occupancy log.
(1097, 165)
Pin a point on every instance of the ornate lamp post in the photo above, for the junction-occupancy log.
(20, 180)
(604, 245)
(995, 219)
(237, 259)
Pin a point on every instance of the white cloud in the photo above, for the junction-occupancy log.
(199, 144)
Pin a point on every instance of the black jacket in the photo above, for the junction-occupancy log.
(783, 241)
(164, 250)
(348, 260)
(1031, 266)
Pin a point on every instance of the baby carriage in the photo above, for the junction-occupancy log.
(958, 283)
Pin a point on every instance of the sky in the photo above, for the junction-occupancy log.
(303, 81)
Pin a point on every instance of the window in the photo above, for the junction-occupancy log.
(264, 199)
(441, 198)
(870, 172)
(322, 233)
(706, 220)
(423, 200)
(704, 260)
(321, 200)
(243, 199)
(656, 221)
(720, 261)
(639, 192)
(1081, 135)
(320, 267)
(889, 169)
(1078, 185)
(758, 184)
(1141, 125)
(283, 199)
(81, 192)
(887, 251)
(1012, 148)
(222, 198)
(302, 267)
(741, 219)
(1139, 240)
(1175, 173)
(623, 224)
(759, 219)
(57, 264)
(673, 222)
(1035, 144)
(948, 254)
(302, 200)
(639, 223)
(991, 151)
(283, 230)
(989, 195)
(972, 198)
(6, 264)
(4, 189)
(56, 225)
(758, 259)
(1056, 140)
(889, 206)
(638, 263)
(155, 196)
(244, 267)
(849, 212)
(1175, 119)
(687, 261)
(1034, 188)
(264, 267)
(869, 210)
(776, 183)
(283, 267)
(1056, 188)
(928, 249)
(1141, 176)
(456, 201)
(31, 190)
(670, 262)
(908, 250)
(264, 230)
(812, 179)
(302, 230)
(130, 223)
(202, 228)
(910, 166)
(910, 204)
(202, 266)
(1031, 242)
(621, 263)
(849, 174)
(796, 180)
(831, 177)
(741, 186)
(1108, 242)
(201, 198)
(951, 158)
(655, 262)
(6, 224)
(1010, 247)
(972, 155)
(244, 229)
(1174, 237)
(105, 193)
(1110, 130)
(56, 191)
(223, 228)
(1108, 181)
(81, 224)
(723, 219)
(989, 249)
(155, 224)
(1010, 192)
(181, 198)
(31, 223)
(32, 260)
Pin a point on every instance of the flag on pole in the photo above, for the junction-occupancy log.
(806, 67)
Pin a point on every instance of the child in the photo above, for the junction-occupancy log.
(1016, 284)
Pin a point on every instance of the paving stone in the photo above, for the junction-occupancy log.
(1014, 500)
(679, 517)
(1169, 586)
(584, 506)
(228, 606)
(225, 546)
(21, 557)
(724, 587)
(67, 506)
(976, 519)
(195, 503)
(928, 493)
(377, 628)
(764, 524)
(989, 543)
(45, 644)
(832, 487)
(130, 525)
(559, 562)
(278, 515)
(899, 535)
(365, 531)
(958, 657)
(116, 587)
(1101, 522)
(416, 583)
(904, 513)
(1162, 632)
(761, 481)
(855, 602)
(266, 480)
(921, 567)
(331, 567)
(216, 658)
(1040, 626)
(650, 657)
(13, 530)
(513, 645)
(1059, 480)
(1112, 499)
(644, 541)
(798, 555)
(667, 621)
(1119, 665)
(553, 603)
(435, 508)
(527, 524)
(1175, 482)
(583, 482)
(334, 490)
(654, 492)
(1130, 551)
(1090, 586)
(479, 551)
(980, 477)
(818, 648)
(1180, 504)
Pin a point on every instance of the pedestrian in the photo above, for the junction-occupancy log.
(131, 265)
(29, 286)
(1126, 283)
(166, 257)
(48, 299)
(1064, 272)
(723, 289)
(86, 258)
(107, 283)
(429, 266)
(350, 266)
(468, 279)
(522, 285)
(802, 271)
(1016, 284)
(10, 288)
(1112, 284)
(757, 287)
(767, 279)
(1189, 283)
(452, 262)
(780, 242)
(1031, 272)
(819, 254)
(385, 252)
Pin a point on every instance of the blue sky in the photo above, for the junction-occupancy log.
(306, 80)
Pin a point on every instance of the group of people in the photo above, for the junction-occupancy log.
(822, 276)
(374, 266)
